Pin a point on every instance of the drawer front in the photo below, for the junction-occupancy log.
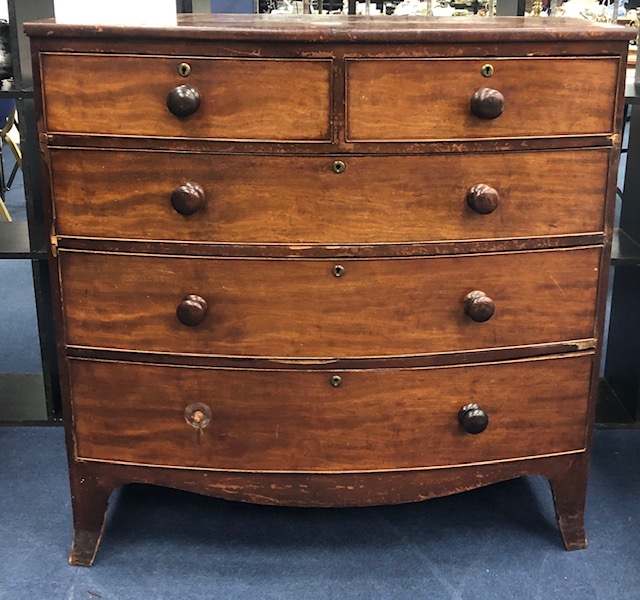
(240, 99)
(279, 199)
(297, 421)
(430, 99)
(300, 308)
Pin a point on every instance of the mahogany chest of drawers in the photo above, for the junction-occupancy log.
(329, 262)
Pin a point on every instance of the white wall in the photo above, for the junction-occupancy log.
(4, 10)
(115, 12)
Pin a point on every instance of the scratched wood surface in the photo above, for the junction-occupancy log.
(363, 488)
(298, 308)
(272, 90)
(293, 420)
(241, 99)
(330, 29)
(288, 200)
(430, 98)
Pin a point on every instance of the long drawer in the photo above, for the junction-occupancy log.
(256, 420)
(281, 199)
(321, 308)
(430, 99)
(239, 99)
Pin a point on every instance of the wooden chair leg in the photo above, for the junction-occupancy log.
(89, 501)
(569, 493)
(4, 212)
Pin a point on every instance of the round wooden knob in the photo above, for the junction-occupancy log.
(483, 198)
(192, 310)
(479, 306)
(183, 101)
(188, 199)
(473, 419)
(487, 103)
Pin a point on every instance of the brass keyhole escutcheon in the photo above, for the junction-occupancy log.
(338, 271)
(336, 380)
(184, 69)
(487, 70)
(339, 167)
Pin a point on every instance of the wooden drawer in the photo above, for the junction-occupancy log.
(280, 199)
(299, 308)
(241, 99)
(296, 420)
(429, 99)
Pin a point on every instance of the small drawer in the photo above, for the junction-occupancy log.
(259, 420)
(221, 98)
(320, 308)
(286, 200)
(450, 99)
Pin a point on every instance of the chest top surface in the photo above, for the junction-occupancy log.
(347, 28)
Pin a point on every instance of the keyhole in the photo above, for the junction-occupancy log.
(184, 69)
(336, 380)
(339, 167)
(338, 271)
(487, 70)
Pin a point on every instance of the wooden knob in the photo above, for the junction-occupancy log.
(188, 199)
(487, 103)
(483, 198)
(479, 306)
(183, 101)
(473, 419)
(192, 310)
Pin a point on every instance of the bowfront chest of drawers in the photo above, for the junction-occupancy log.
(329, 262)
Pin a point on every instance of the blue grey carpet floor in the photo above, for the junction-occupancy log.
(497, 542)
(19, 343)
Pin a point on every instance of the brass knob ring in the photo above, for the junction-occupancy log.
(198, 415)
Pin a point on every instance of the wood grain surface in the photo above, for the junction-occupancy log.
(298, 308)
(252, 412)
(241, 99)
(408, 99)
(297, 421)
(287, 200)
(329, 29)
